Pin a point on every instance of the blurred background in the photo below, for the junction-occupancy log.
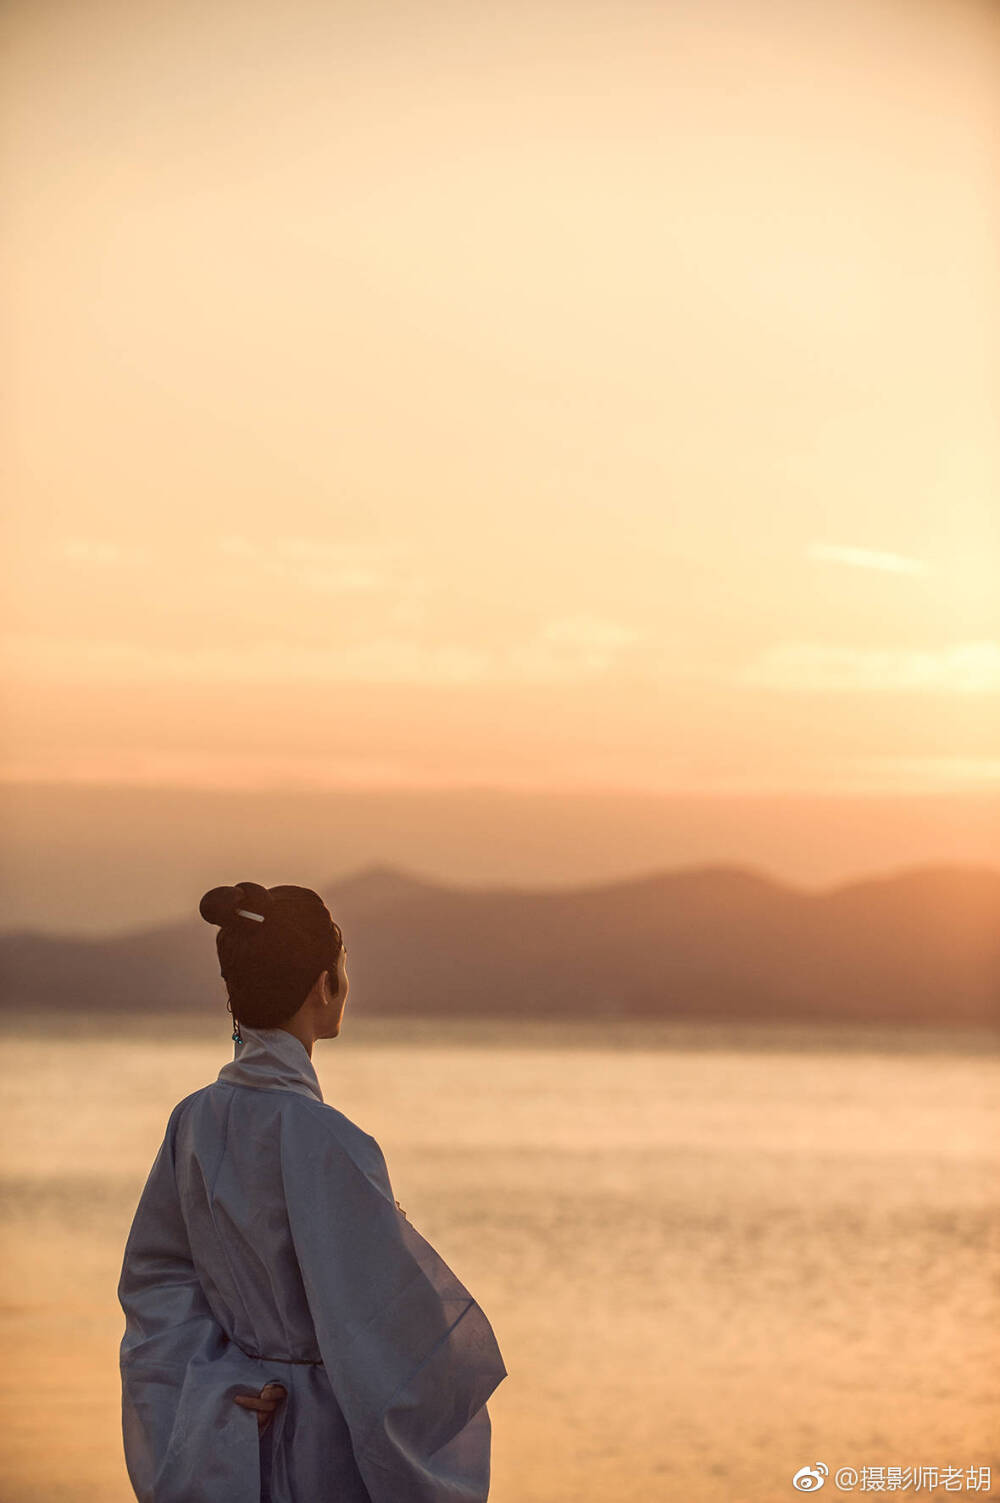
(529, 472)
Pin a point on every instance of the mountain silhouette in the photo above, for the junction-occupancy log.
(711, 942)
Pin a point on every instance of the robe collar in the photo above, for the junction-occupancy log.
(272, 1058)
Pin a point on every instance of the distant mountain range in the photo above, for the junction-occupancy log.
(714, 942)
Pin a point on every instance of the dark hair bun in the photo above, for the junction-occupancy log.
(220, 905)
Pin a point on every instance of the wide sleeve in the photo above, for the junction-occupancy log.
(410, 1355)
(181, 1439)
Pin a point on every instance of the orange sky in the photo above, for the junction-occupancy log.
(573, 396)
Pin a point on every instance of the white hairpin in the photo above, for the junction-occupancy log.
(247, 914)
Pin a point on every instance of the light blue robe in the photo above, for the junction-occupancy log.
(268, 1231)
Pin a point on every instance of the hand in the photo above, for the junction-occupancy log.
(271, 1396)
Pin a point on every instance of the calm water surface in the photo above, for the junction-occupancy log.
(711, 1255)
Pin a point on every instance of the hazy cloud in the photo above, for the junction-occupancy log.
(565, 650)
(331, 566)
(386, 660)
(866, 558)
(336, 567)
(892, 773)
(569, 647)
(100, 551)
(965, 668)
(251, 770)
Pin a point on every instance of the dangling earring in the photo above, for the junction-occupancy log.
(237, 1036)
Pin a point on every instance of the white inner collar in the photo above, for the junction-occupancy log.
(272, 1058)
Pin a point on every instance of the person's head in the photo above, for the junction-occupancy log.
(282, 958)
